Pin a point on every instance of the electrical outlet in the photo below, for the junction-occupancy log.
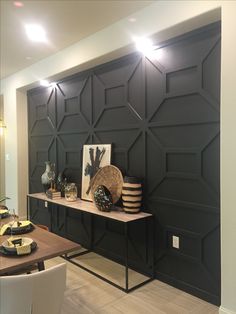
(175, 242)
(46, 204)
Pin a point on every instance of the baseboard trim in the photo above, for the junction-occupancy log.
(224, 310)
(202, 294)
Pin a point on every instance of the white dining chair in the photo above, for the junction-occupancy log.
(37, 293)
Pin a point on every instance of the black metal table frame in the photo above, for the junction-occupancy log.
(148, 219)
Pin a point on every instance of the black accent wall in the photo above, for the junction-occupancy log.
(162, 115)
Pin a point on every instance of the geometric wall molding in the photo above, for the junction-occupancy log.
(162, 115)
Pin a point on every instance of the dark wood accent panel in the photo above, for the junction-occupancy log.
(162, 115)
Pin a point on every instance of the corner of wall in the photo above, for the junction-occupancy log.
(223, 310)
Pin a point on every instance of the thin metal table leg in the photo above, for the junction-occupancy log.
(28, 200)
(91, 233)
(153, 246)
(126, 258)
(41, 266)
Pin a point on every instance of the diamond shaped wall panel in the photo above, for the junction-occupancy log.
(135, 90)
(98, 92)
(182, 135)
(155, 85)
(116, 118)
(136, 165)
(117, 73)
(42, 127)
(115, 96)
(161, 114)
(41, 112)
(122, 139)
(186, 190)
(186, 51)
(182, 110)
(155, 167)
(72, 105)
(182, 81)
(210, 172)
(211, 62)
(86, 100)
(181, 163)
(51, 108)
(40, 98)
(74, 123)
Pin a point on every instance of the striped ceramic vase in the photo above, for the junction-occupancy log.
(132, 195)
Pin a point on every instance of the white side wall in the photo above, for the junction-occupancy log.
(166, 19)
(2, 153)
(228, 158)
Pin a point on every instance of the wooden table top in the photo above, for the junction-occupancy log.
(89, 207)
(49, 245)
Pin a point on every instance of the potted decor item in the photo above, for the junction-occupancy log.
(48, 176)
(132, 195)
(61, 183)
(71, 192)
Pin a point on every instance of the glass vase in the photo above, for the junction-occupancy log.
(71, 192)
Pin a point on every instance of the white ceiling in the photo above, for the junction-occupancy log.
(65, 22)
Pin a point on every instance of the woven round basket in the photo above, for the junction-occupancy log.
(111, 177)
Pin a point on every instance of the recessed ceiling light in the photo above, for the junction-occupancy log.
(132, 19)
(53, 85)
(35, 32)
(144, 45)
(18, 4)
(28, 58)
(44, 83)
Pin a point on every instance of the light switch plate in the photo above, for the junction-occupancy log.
(7, 156)
(175, 242)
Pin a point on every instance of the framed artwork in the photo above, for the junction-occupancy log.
(94, 157)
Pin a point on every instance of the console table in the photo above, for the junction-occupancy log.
(117, 215)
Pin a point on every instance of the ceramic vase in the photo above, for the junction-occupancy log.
(48, 176)
(132, 195)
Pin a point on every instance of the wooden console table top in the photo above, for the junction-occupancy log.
(89, 207)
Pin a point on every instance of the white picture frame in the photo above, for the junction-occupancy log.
(95, 156)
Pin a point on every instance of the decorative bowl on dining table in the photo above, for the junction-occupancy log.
(18, 246)
(17, 227)
(4, 212)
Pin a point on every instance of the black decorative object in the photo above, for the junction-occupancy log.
(61, 183)
(111, 177)
(102, 198)
(132, 195)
